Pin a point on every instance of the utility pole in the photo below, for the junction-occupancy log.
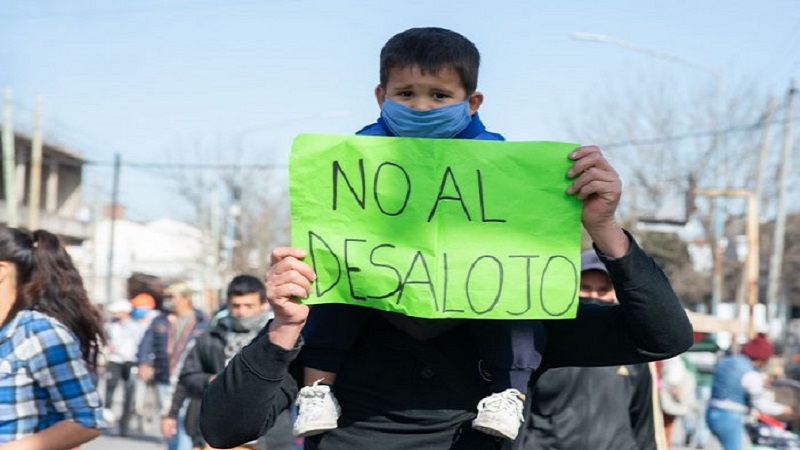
(35, 188)
(9, 162)
(112, 226)
(763, 148)
(776, 259)
(231, 227)
(750, 272)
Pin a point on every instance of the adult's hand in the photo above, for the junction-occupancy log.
(169, 426)
(599, 187)
(288, 279)
(145, 372)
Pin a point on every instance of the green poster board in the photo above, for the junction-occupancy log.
(438, 228)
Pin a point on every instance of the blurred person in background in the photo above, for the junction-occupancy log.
(598, 408)
(162, 348)
(248, 312)
(703, 356)
(144, 311)
(123, 336)
(738, 386)
(144, 308)
(676, 392)
(50, 336)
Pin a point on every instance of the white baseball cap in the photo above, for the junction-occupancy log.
(120, 306)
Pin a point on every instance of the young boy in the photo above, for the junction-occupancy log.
(428, 81)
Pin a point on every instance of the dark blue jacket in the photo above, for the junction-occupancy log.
(155, 345)
(475, 130)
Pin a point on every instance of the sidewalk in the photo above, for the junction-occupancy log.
(107, 441)
(678, 435)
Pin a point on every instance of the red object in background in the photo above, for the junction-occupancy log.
(771, 421)
(698, 336)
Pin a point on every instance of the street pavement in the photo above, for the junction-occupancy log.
(110, 442)
(678, 439)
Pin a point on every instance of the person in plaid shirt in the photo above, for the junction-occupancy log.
(49, 337)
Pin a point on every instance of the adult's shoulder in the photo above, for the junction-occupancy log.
(35, 322)
(35, 333)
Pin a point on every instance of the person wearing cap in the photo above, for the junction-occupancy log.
(602, 408)
(737, 387)
(123, 336)
(144, 308)
(162, 349)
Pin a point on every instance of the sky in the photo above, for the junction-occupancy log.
(168, 82)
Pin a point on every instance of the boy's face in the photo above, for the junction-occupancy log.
(425, 91)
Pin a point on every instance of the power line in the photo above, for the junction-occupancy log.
(195, 166)
(277, 166)
(694, 135)
(274, 166)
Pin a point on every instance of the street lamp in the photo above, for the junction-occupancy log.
(604, 38)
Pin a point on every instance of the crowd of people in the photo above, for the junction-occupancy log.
(353, 378)
(173, 352)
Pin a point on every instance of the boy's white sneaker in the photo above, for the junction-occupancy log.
(317, 410)
(500, 414)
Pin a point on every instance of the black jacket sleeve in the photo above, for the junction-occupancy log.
(649, 323)
(193, 377)
(178, 397)
(244, 401)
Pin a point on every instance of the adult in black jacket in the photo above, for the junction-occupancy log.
(399, 393)
(598, 408)
(246, 314)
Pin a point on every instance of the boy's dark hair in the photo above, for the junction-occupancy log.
(246, 284)
(432, 49)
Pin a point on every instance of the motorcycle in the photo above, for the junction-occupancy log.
(769, 433)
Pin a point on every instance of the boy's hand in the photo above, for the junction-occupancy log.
(288, 278)
(598, 185)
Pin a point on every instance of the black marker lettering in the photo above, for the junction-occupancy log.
(448, 175)
(375, 189)
(318, 284)
(483, 202)
(350, 269)
(444, 288)
(543, 301)
(387, 266)
(527, 283)
(418, 257)
(337, 169)
(499, 284)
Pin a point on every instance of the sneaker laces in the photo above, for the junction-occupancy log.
(313, 396)
(506, 401)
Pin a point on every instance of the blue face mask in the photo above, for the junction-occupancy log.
(138, 313)
(444, 122)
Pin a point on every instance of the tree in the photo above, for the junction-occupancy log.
(242, 209)
(666, 141)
